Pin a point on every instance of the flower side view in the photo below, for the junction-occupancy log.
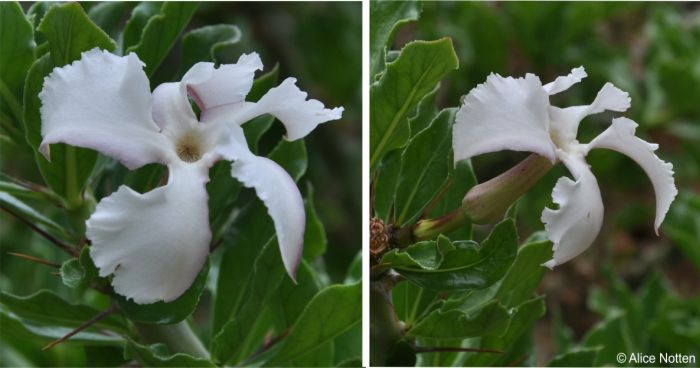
(515, 114)
(155, 244)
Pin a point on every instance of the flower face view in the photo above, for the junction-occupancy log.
(515, 114)
(155, 244)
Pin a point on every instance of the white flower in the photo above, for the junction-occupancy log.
(156, 243)
(515, 114)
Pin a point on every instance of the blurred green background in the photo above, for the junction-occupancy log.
(652, 51)
(318, 43)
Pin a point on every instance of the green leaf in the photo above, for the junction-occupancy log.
(424, 167)
(523, 277)
(160, 33)
(140, 16)
(70, 32)
(290, 299)
(72, 273)
(20, 328)
(235, 340)
(331, 312)
(291, 156)
(16, 56)
(167, 313)
(223, 191)
(522, 320)
(46, 308)
(108, 16)
(411, 301)
(461, 265)
(426, 112)
(78, 272)
(579, 357)
(154, 356)
(314, 234)
(416, 72)
(385, 18)
(203, 44)
(491, 319)
(385, 182)
(28, 213)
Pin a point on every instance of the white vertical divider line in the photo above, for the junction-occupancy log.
(365, 182)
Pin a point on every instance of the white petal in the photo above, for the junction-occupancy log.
(565, 82)
(211, 87)
(287, 103)
(172, 111)
(156, 243)
(503, 114)
(278, 191)
(620, 137)
(103, 102)
(576, 223)
(565, 122)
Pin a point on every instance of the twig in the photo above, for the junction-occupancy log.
(83, 326)
(66, 248)
(34, 259)
(420, 350)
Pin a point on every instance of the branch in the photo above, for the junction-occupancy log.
(34, 259)
(85, 325)
(64, 247)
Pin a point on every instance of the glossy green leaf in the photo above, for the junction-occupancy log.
(140, 15)
(411, 301)
(20, 328)
(425, 113)
(491, 319)
(16, 56)
(348, 345)
(46, 308)
(203, 44)
(580, 357)
(28, 213)
(154, 356)
(160, 33)
(314, 233)
(442, 265)
(70, 32)
(108, 16)
(291, 156)
(523, 277)
(385, 181)
(385, 18)
(521, 322)
(235, 340)
(424, 167)
(167, 313)
(290, 299)
(414, 74)
(331, 312)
